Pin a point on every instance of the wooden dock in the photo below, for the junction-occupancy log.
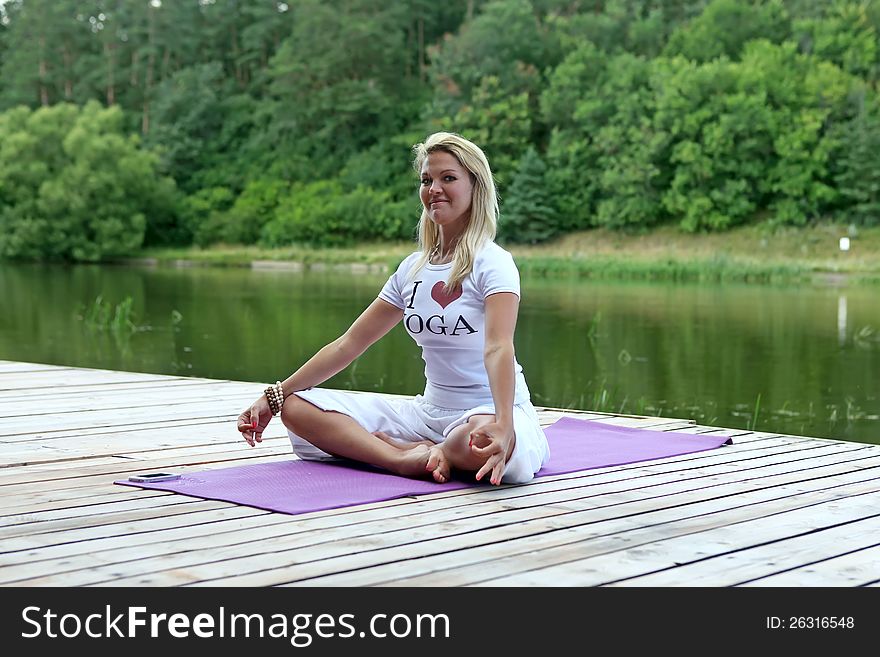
(770, 510)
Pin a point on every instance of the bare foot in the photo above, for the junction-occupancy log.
(421, 460)
(438, 464)
(413, 462)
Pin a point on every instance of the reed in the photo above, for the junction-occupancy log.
(102, 315)
(754, 421)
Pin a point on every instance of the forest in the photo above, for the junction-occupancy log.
(127, 124)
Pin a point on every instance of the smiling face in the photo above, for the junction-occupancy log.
(446, 189)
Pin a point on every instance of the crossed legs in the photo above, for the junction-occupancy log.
(340, 435)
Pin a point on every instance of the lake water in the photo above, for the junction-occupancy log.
(801, 360)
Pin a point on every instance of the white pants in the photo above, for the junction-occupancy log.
(411, 420)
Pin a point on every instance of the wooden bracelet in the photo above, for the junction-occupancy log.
(275, 397)
(279, 395)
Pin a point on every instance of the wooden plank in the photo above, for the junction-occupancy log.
(662, 561)
(141, 447)
(196, 551)
(70, 499)
(64, 377)
(514, 519)
(89, 390)
(856, 567)
(128, 529)
(135, 444)
(55, 484)
(20, 429)
(468, 566)
(171, 505)
(513, 491)
(15, 367)
(65, 434)
(64, 523)
(817, 541)
(486, 562)
(796, 540)
(23, 454)
(313, 565)
(51, 520)
(577, 479)
(105, 475)
(57, 460)
(16, 412)
(100, 452)
(194, 424)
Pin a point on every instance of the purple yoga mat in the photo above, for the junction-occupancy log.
(301, 486)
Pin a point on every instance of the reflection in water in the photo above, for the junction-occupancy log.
(700, 351)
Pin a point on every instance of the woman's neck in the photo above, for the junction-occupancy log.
(440, 257)
(444, 251)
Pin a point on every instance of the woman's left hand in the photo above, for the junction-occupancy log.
(494, 442)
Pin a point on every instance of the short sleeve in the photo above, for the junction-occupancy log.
(496, 272)
(392, 291)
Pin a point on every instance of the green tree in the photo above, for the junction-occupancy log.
(493, 64)
(499, 122)
(751, 135)
(386, 166)
(608, 162)
(568, 106)
(322, 213)
(252, 210)
(858, 165)
(709, 113)
(45, 43)
(631, 153)
(505, 40)
(846, 34)
(633, 26)
(725, 26)
(203, 214)
(721, 139)
(341, 81)
(262, 27)
(73, 186)
(528, 213)
(245, 145)
(187, 119)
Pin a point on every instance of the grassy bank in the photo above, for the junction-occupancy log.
(752, 253)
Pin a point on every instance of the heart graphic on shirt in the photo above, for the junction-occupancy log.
(439, 294)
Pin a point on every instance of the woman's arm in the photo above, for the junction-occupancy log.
(379, 318)
(498, 356)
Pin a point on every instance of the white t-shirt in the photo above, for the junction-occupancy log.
(450, 328)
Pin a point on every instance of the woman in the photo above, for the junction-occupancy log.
(458, 297)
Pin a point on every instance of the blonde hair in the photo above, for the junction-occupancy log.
(483, 220)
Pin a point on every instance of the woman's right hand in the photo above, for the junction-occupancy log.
(253, 421)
